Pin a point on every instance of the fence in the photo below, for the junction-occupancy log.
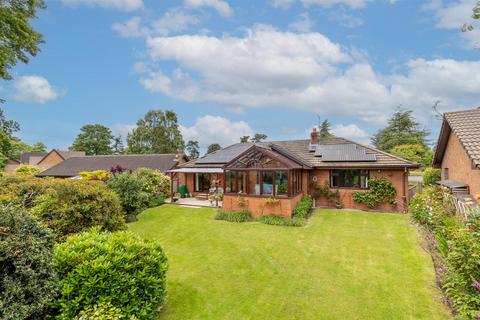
(462, 209)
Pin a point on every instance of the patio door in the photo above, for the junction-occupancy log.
(202, 182)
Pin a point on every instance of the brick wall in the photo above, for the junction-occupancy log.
(51, 160)
(398, 178)
(258, 207)
(459, 165)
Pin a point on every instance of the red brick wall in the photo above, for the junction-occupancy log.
(398, 178)
(257, 206)
(459, 165)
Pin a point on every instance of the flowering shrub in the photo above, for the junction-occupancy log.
(156, 183)
(379, 191)
(454, 244)
(96, 175)
(430, 176)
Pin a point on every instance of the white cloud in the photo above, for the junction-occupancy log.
(214, 129)
(345, 19)
(122, 129)
(354, 4)
(124, 5)
(352, 132)
(34, 89)
(222, 7)
(303, 24)
(131, 29)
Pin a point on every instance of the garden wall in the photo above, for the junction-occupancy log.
(258, 207)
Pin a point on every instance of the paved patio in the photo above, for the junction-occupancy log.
(193, 202)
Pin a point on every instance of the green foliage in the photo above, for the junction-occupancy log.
(118, 271)
(213, 147)
(156, 183)
(117, 145)
(333, 196)
(22, 191)
(454, 243)
(102, 311)
(402, 129)
(130, 189)
(192, 148)
(325, 130)
(157, 132)
(244, 139)
(238, 216)
(101, 175)
(414, 152)
(259, 137)
(380, 190)
(27, 283)
(156, 202)
(303, 208)
(17, 38)
(25, 170)
(71, 206)
(282, 221)
(431, 175)
(94, 139)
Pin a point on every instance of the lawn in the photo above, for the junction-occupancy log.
(342, 265)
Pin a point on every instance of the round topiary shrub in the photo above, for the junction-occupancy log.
(27, 280)
(119, 269)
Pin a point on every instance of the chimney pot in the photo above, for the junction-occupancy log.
(314, 136)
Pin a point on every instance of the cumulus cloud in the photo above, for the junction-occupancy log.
(303, 24)
(124, 5)
(34, 89)
(351, 131)
(222, 7)
(214, 129)
(122, 129)
(354, 4)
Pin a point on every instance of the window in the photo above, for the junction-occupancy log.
(281, 183)
(242, 182)
(254, 182)
(267, 178)
(230, 182)
(349, 178)
(445, 174)
(202, 182)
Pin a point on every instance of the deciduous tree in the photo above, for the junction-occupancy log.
(213, 147)
(258, 137)
(94, 139)
(192, 149)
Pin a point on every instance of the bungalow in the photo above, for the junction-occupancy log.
(458, 151)
(41, 159)
(72, 167)
(249, 173)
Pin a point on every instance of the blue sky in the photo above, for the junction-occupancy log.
(230, 68)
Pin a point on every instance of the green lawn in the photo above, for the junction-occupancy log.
(342, 265)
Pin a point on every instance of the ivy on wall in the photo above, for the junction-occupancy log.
(380, 190)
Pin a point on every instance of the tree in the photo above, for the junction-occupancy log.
(157, 132)
(244, 139)
(325, 129)
(192, 149)
(402, 129)
(118, 147)
(94, 139)
(213, 147)
(9, 127)
(17, 38)
(258, 137)
(414, 152)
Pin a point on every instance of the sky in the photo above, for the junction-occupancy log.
(232, 68)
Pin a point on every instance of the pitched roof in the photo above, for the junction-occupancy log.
(25, 156)
(71, 167)
(64, 154)
(299, 151)
(466, 126)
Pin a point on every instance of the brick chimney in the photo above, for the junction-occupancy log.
(179, 157)
(314, 136)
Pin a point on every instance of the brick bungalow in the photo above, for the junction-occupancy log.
(41, 159)
(458, 151)
(286, 170)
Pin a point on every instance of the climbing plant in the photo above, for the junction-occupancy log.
(380, 190)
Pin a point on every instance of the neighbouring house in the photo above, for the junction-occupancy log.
(249, 173)
(72, 167)
(41, 159)
(458, 151)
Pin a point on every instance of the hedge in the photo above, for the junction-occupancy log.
(303, 208)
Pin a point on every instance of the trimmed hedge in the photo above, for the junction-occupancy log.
(119, 272)
(238, 216)
(303, 208)
(281, 221)
(27, 283)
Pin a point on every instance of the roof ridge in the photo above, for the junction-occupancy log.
(461, 111)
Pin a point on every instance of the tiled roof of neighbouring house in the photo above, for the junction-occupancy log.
(73, 166)
(298, 150)
(466, 126)
(26, 156)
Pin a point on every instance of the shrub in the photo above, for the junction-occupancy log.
(281, 221)
(380, 190)
(102, 311)
(27, 282)
(71, 206)
(430, 176)
(119, 271)
(24, 170)
(427, 207)
(156, 202)
(303, 208)
(157, 184)
(22, 191)
(101, 175)
(130, 189)
(237, 216)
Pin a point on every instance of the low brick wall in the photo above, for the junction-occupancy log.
(258, 207)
